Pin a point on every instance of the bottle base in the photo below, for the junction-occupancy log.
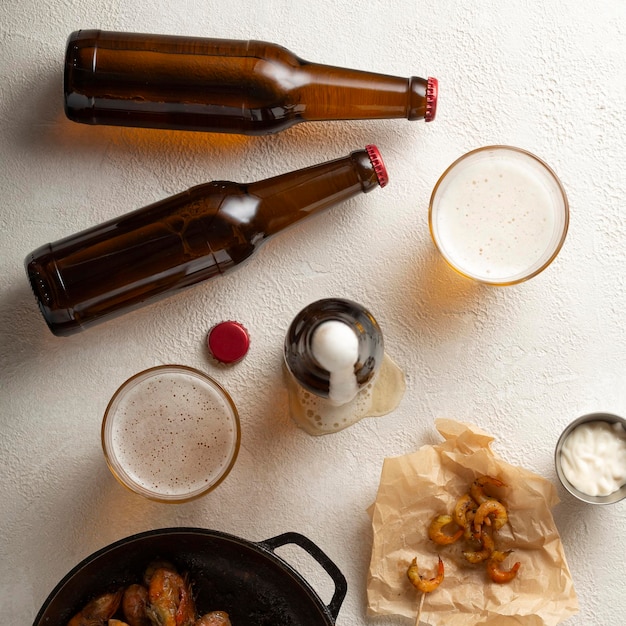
(316, 415)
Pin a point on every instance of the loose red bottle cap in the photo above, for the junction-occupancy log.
(228, 342)
(377, 163)
(432, 92)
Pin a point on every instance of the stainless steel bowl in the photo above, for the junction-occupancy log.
(616, 496)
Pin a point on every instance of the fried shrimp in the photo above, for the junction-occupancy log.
(435, 530)
(464, 510)
(170, 599)
(468, 531)
(425, 585)
(488, 511)
(98, 611)
(477, 516)
(164, 599)
(487, 547)
(214, 618)
(134, 605)
(498, 575)
(477, 490)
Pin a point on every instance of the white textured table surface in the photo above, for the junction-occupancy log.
(520, 362)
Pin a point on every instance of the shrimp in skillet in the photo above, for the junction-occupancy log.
(135, 605)
(170, 599)
(214, 618)
(98, 611)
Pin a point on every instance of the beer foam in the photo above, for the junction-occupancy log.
(335, 346)
(318, 416)
(498, 215)
(171, 435)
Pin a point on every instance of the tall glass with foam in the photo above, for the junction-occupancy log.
(499, 215)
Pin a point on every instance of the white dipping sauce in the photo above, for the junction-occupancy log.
(335, 346)
(497, 215)
(593, 458)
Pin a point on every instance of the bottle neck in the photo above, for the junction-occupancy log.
(292, 197)
(333, 93)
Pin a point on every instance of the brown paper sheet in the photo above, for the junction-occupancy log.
(416, 487)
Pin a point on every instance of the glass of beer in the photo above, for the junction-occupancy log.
(171, 433)
(498, 215)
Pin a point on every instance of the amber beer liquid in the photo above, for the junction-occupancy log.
(222, 85)
(203, 232)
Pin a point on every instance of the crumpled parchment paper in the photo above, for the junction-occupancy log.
(416, 487)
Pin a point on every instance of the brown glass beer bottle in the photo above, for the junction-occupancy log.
(205, 231)
(221, 85)
(299, 355)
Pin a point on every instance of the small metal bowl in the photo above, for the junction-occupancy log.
(616, 496)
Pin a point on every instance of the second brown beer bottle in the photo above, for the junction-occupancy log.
(222, 85)
(198, 234)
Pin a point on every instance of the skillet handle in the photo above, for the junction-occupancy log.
(341, 585)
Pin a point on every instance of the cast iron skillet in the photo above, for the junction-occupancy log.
(245, 579)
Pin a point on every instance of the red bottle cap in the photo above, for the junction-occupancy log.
(377, 163)
(228, 342)
(432, 92)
